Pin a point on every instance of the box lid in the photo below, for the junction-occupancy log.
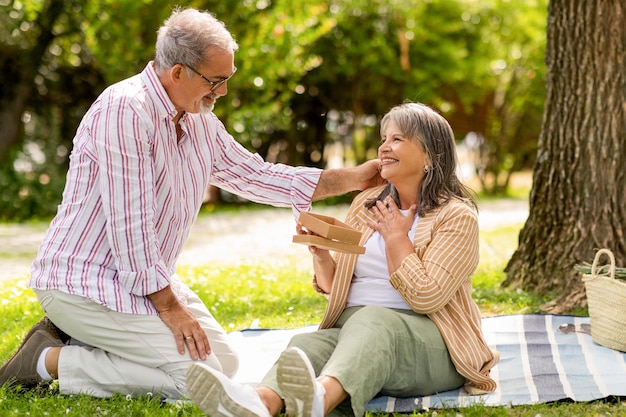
(330, 228)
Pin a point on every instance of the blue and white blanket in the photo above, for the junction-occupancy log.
(544, 358)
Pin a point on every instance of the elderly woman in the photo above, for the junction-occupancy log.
(400, 319)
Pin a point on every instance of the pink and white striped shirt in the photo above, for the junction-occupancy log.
(133, 192)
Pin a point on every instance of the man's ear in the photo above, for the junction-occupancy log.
(175, 73)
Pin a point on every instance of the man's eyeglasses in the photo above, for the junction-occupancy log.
(214, 84)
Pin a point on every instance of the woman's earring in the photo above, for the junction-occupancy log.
(426, 169)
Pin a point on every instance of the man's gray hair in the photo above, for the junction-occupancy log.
(185, 37)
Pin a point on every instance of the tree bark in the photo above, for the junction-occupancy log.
(578, 200)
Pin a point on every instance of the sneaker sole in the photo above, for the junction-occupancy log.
(296, 380)
(208, 393)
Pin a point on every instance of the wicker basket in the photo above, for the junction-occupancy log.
(606, 298)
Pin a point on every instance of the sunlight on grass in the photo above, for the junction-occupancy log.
(279, 294)
(496, 248)
(19, 310)
(46, 401)
(272, 294)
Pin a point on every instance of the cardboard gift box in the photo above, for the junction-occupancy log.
(330, 228)
(333, 234)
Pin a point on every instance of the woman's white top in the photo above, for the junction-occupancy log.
(370, 283)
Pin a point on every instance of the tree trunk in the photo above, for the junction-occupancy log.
(11, 109)
(19, 68)
(578, 199)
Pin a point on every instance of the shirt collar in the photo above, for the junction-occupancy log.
(157, 92)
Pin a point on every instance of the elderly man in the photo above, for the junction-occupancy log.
(118, 320)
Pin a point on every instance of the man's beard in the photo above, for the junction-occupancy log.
(204, 108)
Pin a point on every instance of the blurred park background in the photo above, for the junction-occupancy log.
(529, 86)
(314, 77)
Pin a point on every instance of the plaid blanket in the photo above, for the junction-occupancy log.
(545, 358)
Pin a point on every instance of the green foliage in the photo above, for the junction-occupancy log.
(312, 73)
(32, 194)
(120, 35)
(33, 179)
(513, 39)
(275, 40)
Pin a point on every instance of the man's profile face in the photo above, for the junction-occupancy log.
(201, 87)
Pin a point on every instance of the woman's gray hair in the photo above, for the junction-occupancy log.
(419, 122)
(185, 37)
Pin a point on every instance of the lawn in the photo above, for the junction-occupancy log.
(275, 294)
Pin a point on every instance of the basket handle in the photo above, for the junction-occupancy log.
(597, 258)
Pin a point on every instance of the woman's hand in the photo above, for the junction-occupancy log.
(323, 263)
(394, 227)
(391, 223)
(313, 250)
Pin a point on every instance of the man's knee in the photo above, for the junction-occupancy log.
(230, 364)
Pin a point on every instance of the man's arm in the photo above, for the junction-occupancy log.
(343, 180)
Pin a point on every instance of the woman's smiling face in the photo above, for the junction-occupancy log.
(402, 159)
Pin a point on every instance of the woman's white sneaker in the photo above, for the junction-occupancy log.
(219, 396)
(304, 395)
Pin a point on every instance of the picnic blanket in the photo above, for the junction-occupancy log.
(544, 358)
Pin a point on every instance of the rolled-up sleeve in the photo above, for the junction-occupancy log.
(246, 174)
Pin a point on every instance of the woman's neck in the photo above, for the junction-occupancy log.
(407, 196)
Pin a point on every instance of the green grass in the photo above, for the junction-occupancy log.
(496, 248)
(279, 295)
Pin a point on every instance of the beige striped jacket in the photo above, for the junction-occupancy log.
(435, 281)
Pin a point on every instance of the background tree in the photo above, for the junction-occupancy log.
(40, 92)
(274, 53)
(577, 202)
(481, 63)
(27, 32)
(314, 77)
(56, 57)
(378, 54)
(505, 118)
